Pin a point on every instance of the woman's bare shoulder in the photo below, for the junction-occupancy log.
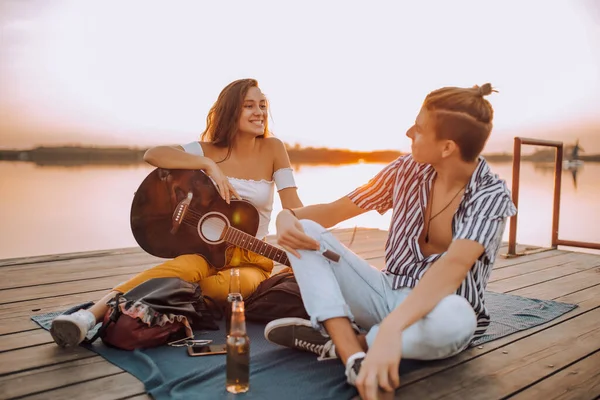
(273, 145)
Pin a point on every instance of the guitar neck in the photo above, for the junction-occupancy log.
(248, 242)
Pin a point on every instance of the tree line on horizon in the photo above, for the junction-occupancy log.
(66, 155)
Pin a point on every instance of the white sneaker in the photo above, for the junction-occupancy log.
(70, 330)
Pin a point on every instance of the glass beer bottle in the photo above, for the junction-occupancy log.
(238, 352)
(235, 294)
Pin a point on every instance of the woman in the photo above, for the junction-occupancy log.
(244, 162)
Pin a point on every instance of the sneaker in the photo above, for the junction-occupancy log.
(298, 333)
(70, 330)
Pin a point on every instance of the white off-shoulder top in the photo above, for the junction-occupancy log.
(259, 193)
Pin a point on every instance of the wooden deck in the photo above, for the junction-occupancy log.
(559, 360)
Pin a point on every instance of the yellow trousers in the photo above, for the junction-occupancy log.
(214, 283)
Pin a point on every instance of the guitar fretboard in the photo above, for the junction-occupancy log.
(255, 245)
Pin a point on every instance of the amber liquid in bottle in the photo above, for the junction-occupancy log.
(238, 352)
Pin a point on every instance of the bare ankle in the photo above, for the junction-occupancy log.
(99, 309)
(344, 337)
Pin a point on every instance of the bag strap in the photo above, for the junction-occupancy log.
(115, 313)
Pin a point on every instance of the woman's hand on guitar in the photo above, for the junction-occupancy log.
(291, 236)
(224, 187)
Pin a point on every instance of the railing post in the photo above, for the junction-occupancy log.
(558, 161)
(516, 171)
(557, 185)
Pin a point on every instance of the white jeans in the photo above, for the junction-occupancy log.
(352, 288)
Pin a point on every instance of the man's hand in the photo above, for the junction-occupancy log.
(291, 236)
(379, 370)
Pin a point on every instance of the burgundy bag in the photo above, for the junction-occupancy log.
(156, 312)
(276, 297)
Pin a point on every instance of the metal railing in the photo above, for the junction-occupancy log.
(512, 237)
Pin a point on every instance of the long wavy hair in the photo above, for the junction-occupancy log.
(223, 118)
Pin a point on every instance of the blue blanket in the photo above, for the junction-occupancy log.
(281, 373)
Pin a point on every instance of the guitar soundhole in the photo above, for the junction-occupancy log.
(212, 227)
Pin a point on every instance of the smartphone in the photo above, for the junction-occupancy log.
(207, 350)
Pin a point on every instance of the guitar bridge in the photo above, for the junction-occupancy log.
(180, 211)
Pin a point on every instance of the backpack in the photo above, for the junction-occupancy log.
(276, 297)
(154, 313)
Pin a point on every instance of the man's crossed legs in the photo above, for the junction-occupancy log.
(354, 289)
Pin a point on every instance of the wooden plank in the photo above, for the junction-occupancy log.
(16, 324)
(502, 262)
(24, 339)
(516, 365)
(47, 378)
(118, 386)
(578, 381)
(39, 356)
(562, 286)
(82, 264)
(41, 306)
(51, 278)
(530, 264)
(58, 289)
(68, 256)
(542, 270)
(586, 299)
(43, 274)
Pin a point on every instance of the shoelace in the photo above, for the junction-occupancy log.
(322, 350)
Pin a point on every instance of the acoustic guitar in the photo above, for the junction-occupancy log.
(177, 211)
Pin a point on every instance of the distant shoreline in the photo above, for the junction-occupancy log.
(78, 155)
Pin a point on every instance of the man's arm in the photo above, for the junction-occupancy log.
(479, 234)
(380, 366)
(377, 194)
(290, 234)
(443, 278)
(329, 214)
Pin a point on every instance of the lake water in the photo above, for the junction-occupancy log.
(54, 209)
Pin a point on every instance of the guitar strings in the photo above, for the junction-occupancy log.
(192, 218)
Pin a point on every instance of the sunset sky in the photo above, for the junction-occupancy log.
(343, 74)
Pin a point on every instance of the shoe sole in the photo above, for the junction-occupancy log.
(284, 322)
(65, 333)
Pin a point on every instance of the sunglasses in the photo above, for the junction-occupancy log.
(188, 342)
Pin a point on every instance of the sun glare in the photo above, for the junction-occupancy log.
(150, 73)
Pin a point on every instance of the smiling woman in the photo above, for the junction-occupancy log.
(242, 162)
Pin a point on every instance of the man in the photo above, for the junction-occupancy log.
(449, 214)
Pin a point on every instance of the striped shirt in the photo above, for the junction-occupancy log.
(404, 186)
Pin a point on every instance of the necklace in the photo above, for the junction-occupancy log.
(441, 211)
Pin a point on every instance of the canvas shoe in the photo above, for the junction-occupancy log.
(298, 333)
(70, 330)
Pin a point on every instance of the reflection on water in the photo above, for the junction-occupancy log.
(51, 209)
